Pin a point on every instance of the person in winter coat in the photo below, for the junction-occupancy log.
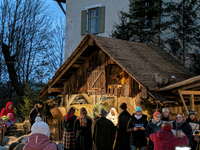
(35, 112)
(103, 133)
(136, 126)
(153, 127)
(8, 109)
(39, 139)
(113, 116)
(181, 124)
(82, 131)
(192, 119)
(100, 105)
(164, 139)
(165, 114)
(68, 134)
(123, 137)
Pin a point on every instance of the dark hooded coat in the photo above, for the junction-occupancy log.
(137, 138)
(103, 134)
(33, 114)
(185, 127)
(193, 143)
(123, 137)
(83, 135)
(152, 127)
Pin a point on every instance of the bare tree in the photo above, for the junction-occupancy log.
(26, 36)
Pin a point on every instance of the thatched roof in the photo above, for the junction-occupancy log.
(139, 60)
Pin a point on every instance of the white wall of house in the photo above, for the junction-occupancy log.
(73, 19)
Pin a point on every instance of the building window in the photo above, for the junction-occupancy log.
(93, 21)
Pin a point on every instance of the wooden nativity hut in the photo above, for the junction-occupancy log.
(123, 71)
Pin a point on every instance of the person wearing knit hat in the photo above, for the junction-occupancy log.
(10, 118)
(6, 124)
(192, 120)
(103, 133)
(192, 117)
(122, 141)
(8, 109)
(39, 139)
(165, 114)
(153, 127)
(40, 127)
(164, 139)
(136, 127)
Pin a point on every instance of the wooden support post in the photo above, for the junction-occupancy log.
(181, 96)
(116, 103)
(64, 94)
(192, 102)
(87, 98)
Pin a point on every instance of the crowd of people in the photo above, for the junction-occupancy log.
(109, 130)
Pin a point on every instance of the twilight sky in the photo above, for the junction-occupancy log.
(55, 8)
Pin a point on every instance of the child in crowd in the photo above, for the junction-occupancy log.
(10, 119)
(6, 124)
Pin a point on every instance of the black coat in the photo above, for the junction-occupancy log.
(193, 143)
(152, 128)
(185, 127)
(33, 114)
(103, 134)
(69, 124)
(123, 137)
(83, 135)
(137, 138)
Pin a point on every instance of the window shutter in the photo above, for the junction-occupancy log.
(102, 19)
(83, 22)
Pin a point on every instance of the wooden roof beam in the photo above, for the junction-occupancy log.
(194, 85)
(189, 92)
(55, 90)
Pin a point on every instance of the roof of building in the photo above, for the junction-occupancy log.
(139, 60)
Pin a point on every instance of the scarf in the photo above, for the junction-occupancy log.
(138, 117)
(68, 116)
(156, 123)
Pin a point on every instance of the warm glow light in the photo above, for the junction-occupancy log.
(182, 148)
(119, 86)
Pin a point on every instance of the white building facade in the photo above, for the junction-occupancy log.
(90, 16)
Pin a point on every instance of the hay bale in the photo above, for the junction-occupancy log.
(58, 113)
(78, 107)
(13, 145)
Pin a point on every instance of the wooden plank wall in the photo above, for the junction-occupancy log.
(82, 80)
(179, 109)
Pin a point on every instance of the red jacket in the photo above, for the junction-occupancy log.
(5, 111)
(39, 142)
(165, 140)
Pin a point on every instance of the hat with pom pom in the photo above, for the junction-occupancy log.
(9, 116)
(40, 127)
(4, 117)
